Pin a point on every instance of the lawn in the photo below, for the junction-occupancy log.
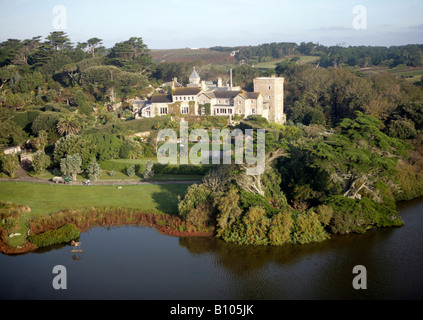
(48, 198)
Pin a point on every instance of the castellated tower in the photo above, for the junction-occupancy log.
(271, 88)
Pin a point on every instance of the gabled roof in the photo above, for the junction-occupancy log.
(190, 91)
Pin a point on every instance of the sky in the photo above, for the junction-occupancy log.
(171, 24)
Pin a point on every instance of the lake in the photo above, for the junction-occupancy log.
(139, 263)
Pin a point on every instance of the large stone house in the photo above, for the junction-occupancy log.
(200, 98)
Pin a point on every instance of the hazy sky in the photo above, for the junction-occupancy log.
(190, 23)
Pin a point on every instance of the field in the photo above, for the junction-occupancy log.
(411, 74)
(207, 56)
(272, 64)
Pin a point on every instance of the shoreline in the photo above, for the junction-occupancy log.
(88, 218)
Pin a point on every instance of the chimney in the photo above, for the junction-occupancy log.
(219, 82)
(203, 85)
(231, 78)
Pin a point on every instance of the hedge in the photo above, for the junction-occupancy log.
(65, 233)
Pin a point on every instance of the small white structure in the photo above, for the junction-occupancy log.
(12, 150)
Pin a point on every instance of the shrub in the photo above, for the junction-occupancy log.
(307, 229)
(63, 234)
(130, 171)
(40, 161)
(148, 173)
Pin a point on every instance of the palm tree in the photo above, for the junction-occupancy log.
(68, 124)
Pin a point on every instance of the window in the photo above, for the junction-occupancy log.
(239, 102)
(251, 101)
(268, 97)
(230, 111)
(239, 111)
(253, 111)
(268, 87)
(218, 101)
(203, 111)
(226, 101)
(185, 110)
(163, 110)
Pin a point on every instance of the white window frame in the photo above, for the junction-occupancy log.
(184, 110)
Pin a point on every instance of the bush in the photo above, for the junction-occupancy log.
(63, 234)
(131, 171)
(307, 229)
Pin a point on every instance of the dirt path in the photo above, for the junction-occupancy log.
(23, 176)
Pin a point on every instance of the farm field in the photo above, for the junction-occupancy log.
(207, 56)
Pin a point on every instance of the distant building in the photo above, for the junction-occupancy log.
(12, 150)
(206, 98)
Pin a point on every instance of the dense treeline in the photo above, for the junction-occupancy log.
(332, 56)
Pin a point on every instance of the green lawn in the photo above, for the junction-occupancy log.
(49, 198)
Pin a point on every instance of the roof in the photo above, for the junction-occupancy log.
(160, 98)
(190, 91)
(226, 94)
(194, 75)
(250, 95)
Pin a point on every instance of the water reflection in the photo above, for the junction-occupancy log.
(139, 263)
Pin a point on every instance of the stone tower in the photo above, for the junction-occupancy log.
(272, 90)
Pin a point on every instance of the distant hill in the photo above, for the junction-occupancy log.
(207, 56)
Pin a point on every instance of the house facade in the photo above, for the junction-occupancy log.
(198, 99)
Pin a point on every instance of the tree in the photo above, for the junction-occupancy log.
(14, 101)
(31, 81)
(148, 172)
(92, 44)
(46, 121)
(58, 40)
(9, 164)
(74, 144)
(360, 157)
(94, 170)
(229, 210)
(131, 55)
(130, 171)
(254, 182)
(40, 161)
(68, 124)
(71, 165)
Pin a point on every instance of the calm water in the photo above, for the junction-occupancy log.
(139, 263)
